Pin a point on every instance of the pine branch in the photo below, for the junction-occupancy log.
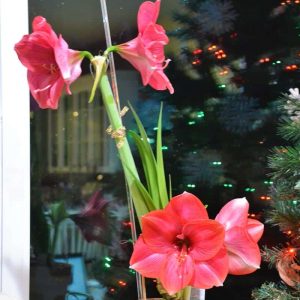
(290, 131)
(285, 162)
(271, 255)
(272, 291)
(286, 215)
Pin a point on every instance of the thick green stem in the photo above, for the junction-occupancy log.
(125, 154)
(187, 293)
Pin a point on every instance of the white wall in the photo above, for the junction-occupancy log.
(14, 154)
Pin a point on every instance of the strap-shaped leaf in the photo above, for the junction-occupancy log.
(149, 166)
(160, 163)
(143, 202)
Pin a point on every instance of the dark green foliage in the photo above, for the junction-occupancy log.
(273, 291)
(285, 207)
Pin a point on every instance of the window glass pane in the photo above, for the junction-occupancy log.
(230, 63)
(80, 229)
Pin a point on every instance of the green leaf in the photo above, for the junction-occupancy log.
(58, 212)
(160, 164)
(149, 166)
(142, 200)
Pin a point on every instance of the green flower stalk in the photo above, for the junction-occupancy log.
(118, 132)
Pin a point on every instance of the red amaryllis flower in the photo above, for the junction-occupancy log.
(241, 237)
(181, 246)
(93, 221)
(146, 51)
(51, 64)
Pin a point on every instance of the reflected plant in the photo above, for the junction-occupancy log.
(93, 221)
(57, 214)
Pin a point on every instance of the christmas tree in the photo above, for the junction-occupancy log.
(285, 206)
(231, 61)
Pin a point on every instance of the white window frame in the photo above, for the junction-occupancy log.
(14, 155)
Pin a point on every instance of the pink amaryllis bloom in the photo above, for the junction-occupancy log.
(93, 221)
(180, 246)
(241, 237)
(146, 51)
(51, 64)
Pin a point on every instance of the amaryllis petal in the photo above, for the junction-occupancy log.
(212, 272)
(234, 213)
(159, 81)
(145, 261)
(155, 33)
(255, 229)
(40, 85)
(93, 220)
(43, 56)
(135, 53)
(146, 51)
(239, 243)
(206, 237)
(160, 231)
(55, 93)
(148, 13)
(40, 24)
(177, 272)
(69, 61)
(187, 207)
(50, 63)
(237, 265)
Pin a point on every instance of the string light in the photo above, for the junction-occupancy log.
(212, 47)
(217, 163)
(227, 185)
(191, 123)
(122, 283)
(264, 60)
(224, 72)
(220, 54)
(191, 186)
(265, 198)
(164, 148)
(291, 67)
(222, 86)
(268, 182)
(197, 51)
(200, 114)
(196, 62)
(291, 250)
(252, 215)
(250, 190)
(289, 2)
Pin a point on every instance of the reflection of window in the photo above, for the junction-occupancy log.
(77, 141)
